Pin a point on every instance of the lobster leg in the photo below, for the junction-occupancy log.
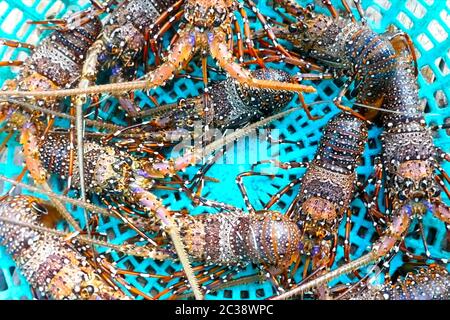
(168, 25)
(163, 17)
(331, 8)
(225, 59)
(200, 175)
(11, 63)
(243, 189)
(271, 55)
(286, 19)
(440, 181)
(360, 11)
(337, 101)
(333, 250)
(276, 197)
(347, 243)
(240, 42)
(5, 141)
(305, 107)
(180, 288)
(348, 10)
(127, 221)
(443, 155)
(112, 273)
(267, 28)
(393, 235)
(292, 7)
(282, 165)
(16, 44)
(248, 40)
(151, 203)
(223, 274)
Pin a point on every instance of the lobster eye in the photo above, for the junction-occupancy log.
(402, 196)
(115, 50)
(293, 28)
(217, 22)
(408, 183)
(311, 7)
(435, 192)
(87, 292)
(399, 179)
(424, 184)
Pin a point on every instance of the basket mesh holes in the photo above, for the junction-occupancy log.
(431, 236)
(427, 107)
(405, 20)
(260, 293)
(428, 74)
(416, 8)
(437, 31)
(443, 67)
(244, 294)
(425, 42)
(169, 269)
(328, 91)
(362, 232)
(228, 294)
(326, 110)
(110, 233)
(441, 99)
(291, 129)
(3, 284)
(374, 15)
(154, 291)
(12, 20)
(386, 4)
(142, 281)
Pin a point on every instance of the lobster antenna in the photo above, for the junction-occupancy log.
(114, 88)
(236, 135)
(157, 110)
(76, 202)
(345, 269)
(225, 140)
(388, 111)
(229, 284)
(89, 122)
(127, 249)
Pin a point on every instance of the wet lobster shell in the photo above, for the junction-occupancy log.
(54, 267)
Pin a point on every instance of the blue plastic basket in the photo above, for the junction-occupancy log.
(426, 21)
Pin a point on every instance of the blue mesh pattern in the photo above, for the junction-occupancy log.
(419, 18)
